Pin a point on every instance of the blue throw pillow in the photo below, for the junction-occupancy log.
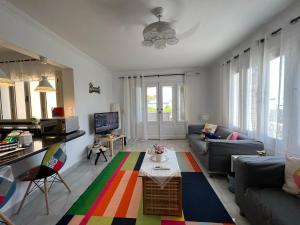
(211, 136)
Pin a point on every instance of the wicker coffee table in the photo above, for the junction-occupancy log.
(162, 189)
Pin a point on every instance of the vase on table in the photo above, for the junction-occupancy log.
(159, 157)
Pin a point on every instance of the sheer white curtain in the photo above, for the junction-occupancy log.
(134, 123)
(234, 97)
(263, 95)
(224, 93)
(290, 52)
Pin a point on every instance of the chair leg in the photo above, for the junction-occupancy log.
(63, 181)
(25, 195)
(5, 219)
(103, 153)
(46, 195)
(97, 157)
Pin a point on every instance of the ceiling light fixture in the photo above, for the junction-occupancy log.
(4, 80)
(160, 33)
(44, 85)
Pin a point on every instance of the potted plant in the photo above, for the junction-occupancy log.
(158, 150)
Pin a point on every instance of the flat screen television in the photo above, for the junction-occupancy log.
(106, 122)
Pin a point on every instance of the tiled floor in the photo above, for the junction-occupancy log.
(60, 200)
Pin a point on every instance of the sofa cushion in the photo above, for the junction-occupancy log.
(223, 132)
(197, 144)
(292, 176)
(274, 205)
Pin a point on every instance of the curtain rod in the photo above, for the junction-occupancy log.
(293, 21)
(162, 75)
(20, 60)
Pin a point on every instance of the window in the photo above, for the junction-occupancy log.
(51, 99)
(35, 100)
(167, 103)
(5, 104)
(235, 99)
(275, 99)
(23, 102)
(251, 99)
(20, 100)
(181, 103)
(152, 104)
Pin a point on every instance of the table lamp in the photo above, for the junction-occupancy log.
(204, 118)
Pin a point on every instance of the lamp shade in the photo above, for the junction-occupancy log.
(44, 85)
(204, 117)
(4, 80)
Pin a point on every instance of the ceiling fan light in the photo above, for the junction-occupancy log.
(172, 41)
(147, 43)
(44, 86)
(159, 33)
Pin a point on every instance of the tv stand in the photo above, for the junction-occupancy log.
(110, 139)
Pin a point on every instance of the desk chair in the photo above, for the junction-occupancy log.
(7, 189)
(53, 161)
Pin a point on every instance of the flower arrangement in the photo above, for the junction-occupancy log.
(158, 149)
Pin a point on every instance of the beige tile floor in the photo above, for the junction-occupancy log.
(60, 200)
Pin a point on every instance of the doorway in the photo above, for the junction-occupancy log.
(165, 111)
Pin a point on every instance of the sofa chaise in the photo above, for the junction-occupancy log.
(215, 154)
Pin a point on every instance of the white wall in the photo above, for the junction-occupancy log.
(197, 89)
(278, 21)
(19, 29)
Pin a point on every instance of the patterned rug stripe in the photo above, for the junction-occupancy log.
(131, 161)
(103, 203)
(97, 220)
(117, 197)
(139, 161)
(183, 163)
(126, 197)
(193, 162)
(146, 219)
(84, 203)
(102, 193)
(134, 205)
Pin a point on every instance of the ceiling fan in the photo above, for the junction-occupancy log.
(160, 33)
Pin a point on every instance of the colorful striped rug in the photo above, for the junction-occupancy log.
(115, 197)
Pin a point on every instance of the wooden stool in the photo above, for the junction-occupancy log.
(98, 150)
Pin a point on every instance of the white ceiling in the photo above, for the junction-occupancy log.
(111, 30)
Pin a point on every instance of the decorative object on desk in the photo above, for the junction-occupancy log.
(94, 89)
(58, 112)
(7, 189)
(25, 139)
(157, 152)
(261, 153)
(204, 118)
(44, 85)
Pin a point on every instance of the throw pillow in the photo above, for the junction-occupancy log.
(234, 136)
(292, 176)
(210, 128)
(211, 136)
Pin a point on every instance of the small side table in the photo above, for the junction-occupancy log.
(110, 139)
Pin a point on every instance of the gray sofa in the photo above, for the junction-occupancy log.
(259, 193)
(215, 154)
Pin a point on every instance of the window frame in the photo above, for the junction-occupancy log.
(12, 95)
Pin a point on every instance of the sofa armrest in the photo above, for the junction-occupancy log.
(257, 171)
(195, 129)
(233, 147)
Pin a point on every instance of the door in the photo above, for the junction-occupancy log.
(164, 111)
